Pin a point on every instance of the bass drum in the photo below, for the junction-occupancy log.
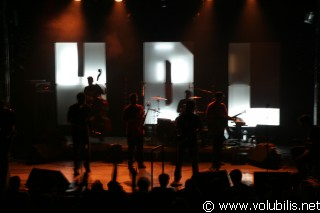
(166, 131)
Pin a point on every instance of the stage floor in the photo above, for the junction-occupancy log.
(102, 169)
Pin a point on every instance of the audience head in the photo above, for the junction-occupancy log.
(14, 182)
(164, 179)
(114, 186)
(97, 186)
(236, 176)
(190, 184)
(143, 184)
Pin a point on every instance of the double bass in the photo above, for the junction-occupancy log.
(99, 119)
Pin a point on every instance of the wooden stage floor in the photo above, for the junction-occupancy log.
(102, 169)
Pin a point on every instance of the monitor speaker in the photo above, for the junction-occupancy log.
(266, 181)
(44, 179)
(204, 179)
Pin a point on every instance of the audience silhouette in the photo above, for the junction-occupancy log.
(160, 198)
(191, 194)
(140, 198)
(239, 191)
(17, 199)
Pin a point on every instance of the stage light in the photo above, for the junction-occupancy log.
(163, 3)
(309, 18)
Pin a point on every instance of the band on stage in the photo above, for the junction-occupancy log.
(101, 125)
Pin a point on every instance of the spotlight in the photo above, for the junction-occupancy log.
(309, 18)
(163, 3)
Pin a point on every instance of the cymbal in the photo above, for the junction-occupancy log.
(205, 91)
(158, 98)
(195, 97)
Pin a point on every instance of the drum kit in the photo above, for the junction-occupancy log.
(165, 127)
(165, 124)
(238, 121)
(157, 110)
(159, 98)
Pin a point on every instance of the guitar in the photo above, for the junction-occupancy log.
(238, 121)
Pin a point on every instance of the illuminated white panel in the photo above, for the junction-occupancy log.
(239, 63)
(239, 90)
(68, 81)
(94, 59)
(66, 63)
(181, 61)
(68, 84)
(238, 98)
(179, 65)
(66, 95)
(262, 116)
(159, 72)
(163, 47)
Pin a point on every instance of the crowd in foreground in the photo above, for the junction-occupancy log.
(111, 197)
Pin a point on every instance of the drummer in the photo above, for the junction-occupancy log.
(182, 103)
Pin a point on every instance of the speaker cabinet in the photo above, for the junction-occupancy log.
(265, 155)
(166, 131)
(204, 179)
(265, 182)
(44, 179)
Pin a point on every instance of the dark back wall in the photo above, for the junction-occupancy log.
(31, 42)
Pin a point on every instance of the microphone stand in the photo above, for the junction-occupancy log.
(267, 145)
